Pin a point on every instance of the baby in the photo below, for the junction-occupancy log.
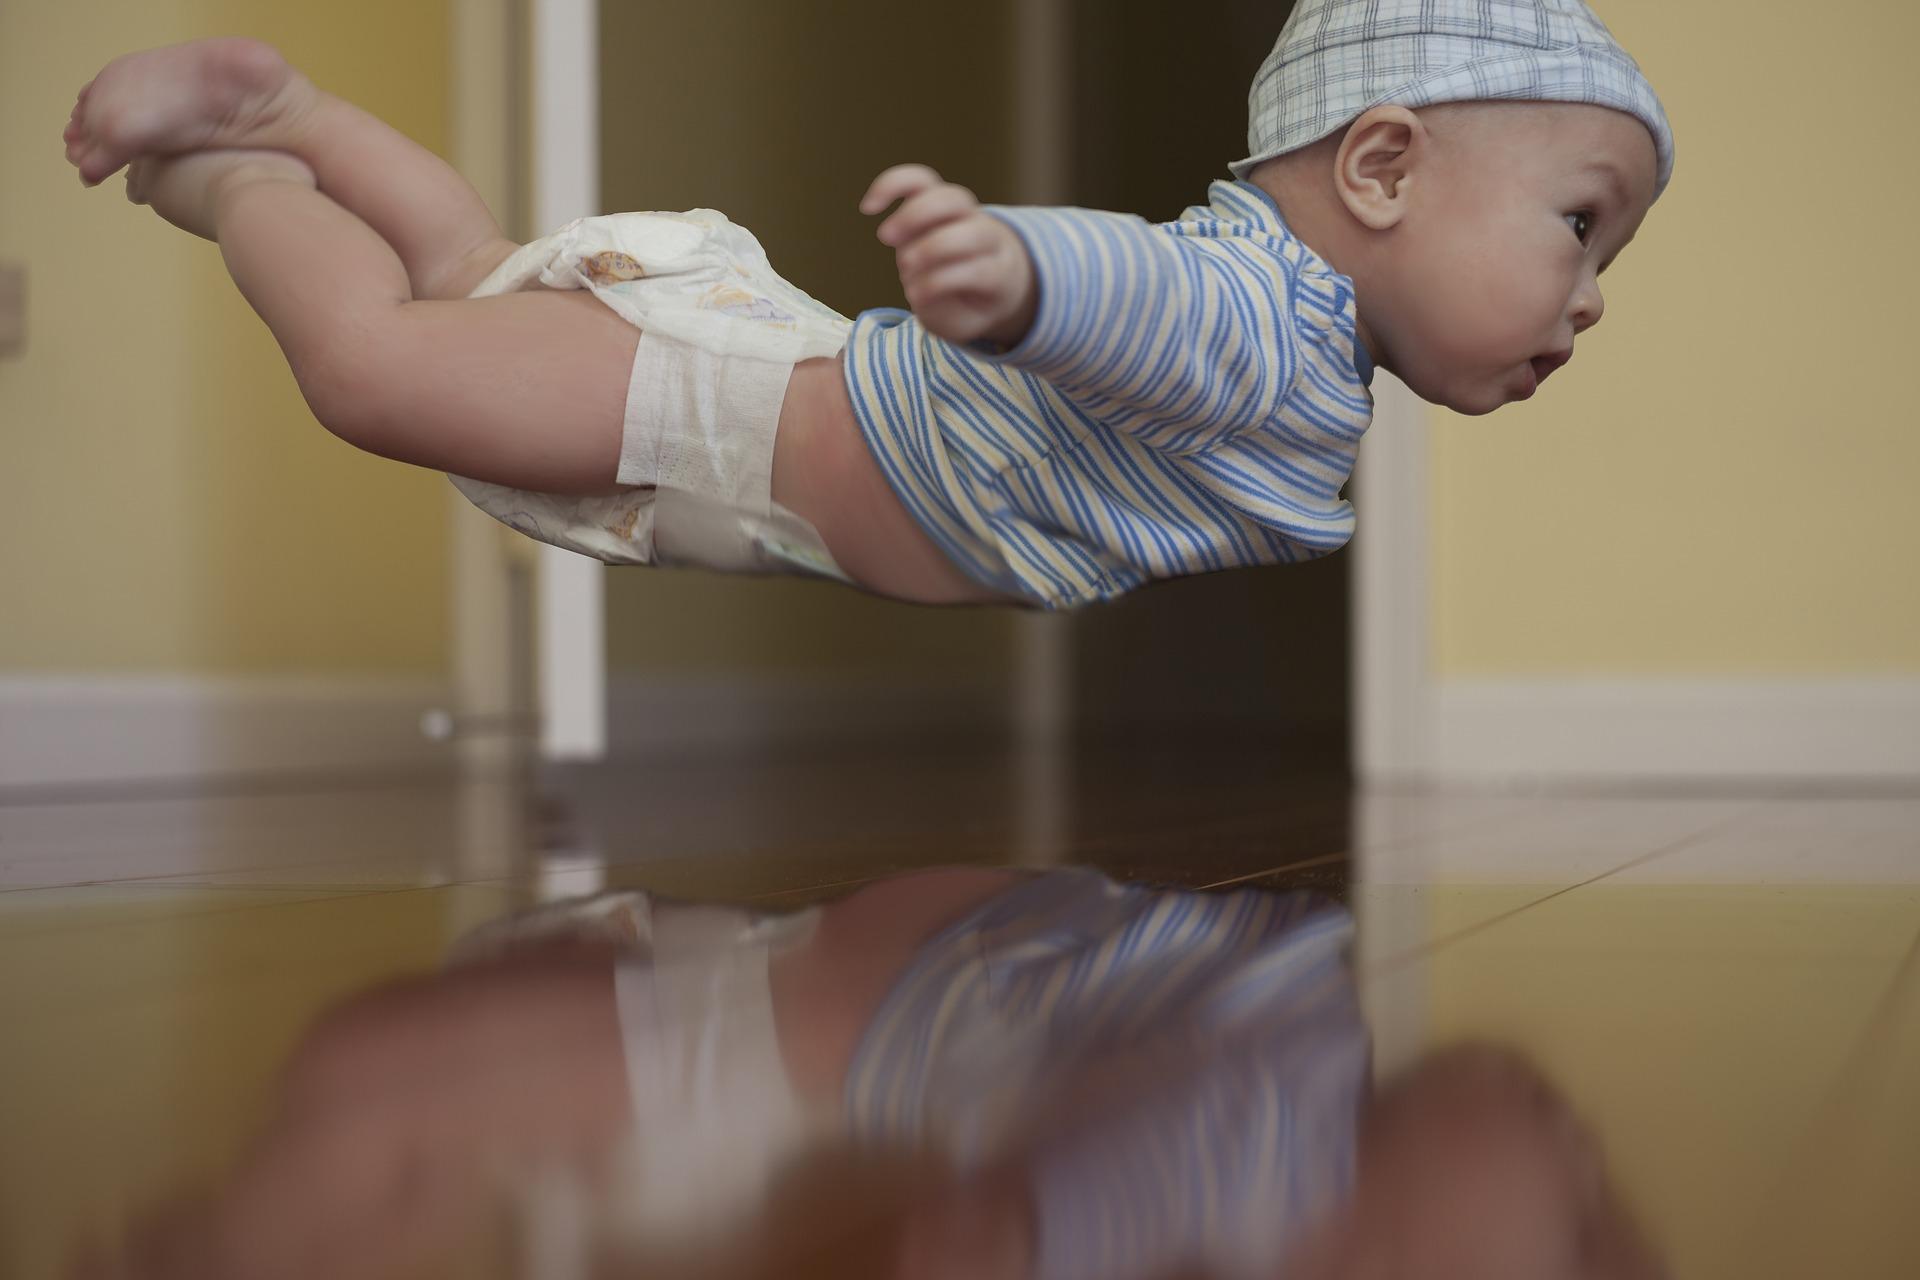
(1078, 403)
(1103, 1081)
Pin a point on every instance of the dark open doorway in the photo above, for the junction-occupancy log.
(1159, 110)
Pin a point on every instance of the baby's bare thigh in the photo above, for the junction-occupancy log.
(510, 1058)
(527, 389)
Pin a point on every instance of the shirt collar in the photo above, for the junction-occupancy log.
(1243, 201)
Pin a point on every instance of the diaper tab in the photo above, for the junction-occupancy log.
(703, 424)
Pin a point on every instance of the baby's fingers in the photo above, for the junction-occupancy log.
(955, 242)
(899, 182)
(969, 278)
(926, 213)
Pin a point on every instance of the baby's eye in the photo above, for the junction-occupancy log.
(1582, 224)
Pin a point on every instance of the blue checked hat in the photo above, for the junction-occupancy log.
(1337, 58)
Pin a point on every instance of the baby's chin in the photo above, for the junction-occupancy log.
(1474, 401)
(1473, 395)
(1483, 394)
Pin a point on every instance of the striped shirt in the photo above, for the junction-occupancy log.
(1190, 398)
(1182, 1070)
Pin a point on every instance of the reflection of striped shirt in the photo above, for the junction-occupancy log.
(1181, 1070)
(1190, 398)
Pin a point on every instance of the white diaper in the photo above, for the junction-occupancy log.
(720, 334)
(715, 1118)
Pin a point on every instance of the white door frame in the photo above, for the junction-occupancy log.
(563, 117)
(1392, 712)
(482, 633)
(569, 595)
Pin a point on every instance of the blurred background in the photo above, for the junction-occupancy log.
(1666, 609)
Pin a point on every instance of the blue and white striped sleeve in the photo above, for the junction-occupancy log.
(1147, 331)
(1225, 1169)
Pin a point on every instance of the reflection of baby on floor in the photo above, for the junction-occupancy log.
(1104, 1081)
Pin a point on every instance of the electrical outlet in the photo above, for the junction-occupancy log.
(13, 309)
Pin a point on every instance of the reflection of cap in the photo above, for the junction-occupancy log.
(1337, 58)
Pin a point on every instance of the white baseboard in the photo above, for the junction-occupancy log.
(69, 730)
(651, 716)
(1665, 731)
(73, 730)
(93, 730)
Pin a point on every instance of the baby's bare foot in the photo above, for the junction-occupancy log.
(185, 189)
(185, 97)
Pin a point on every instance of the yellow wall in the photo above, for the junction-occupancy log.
(166, 502)
(1722, 483)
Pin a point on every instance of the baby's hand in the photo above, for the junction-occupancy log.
(967, 276)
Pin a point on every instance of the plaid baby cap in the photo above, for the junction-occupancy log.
(1337, 58)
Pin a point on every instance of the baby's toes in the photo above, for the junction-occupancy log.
(99, 160)
(110, 134)
(82, 154)
(77, 138)
(75, 134)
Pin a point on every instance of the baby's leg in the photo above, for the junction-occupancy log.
(525, 389)
(234, 93)
(406, 1119)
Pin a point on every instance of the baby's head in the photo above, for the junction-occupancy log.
(1473, 165)
(1473, 1167)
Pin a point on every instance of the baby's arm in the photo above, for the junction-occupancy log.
(966, 274)
(1222, 1171)
(1229, 1165)
(1125, 319)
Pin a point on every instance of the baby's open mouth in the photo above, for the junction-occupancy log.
(1544, 365)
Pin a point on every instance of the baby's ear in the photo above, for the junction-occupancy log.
(1373, 168)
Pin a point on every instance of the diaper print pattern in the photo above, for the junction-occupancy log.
(612, 267)
(735, 301)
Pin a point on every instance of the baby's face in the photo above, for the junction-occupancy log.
(1494, 271)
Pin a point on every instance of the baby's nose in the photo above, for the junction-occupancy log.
(1588, 306)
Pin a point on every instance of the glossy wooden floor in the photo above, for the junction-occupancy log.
(1729, 986)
